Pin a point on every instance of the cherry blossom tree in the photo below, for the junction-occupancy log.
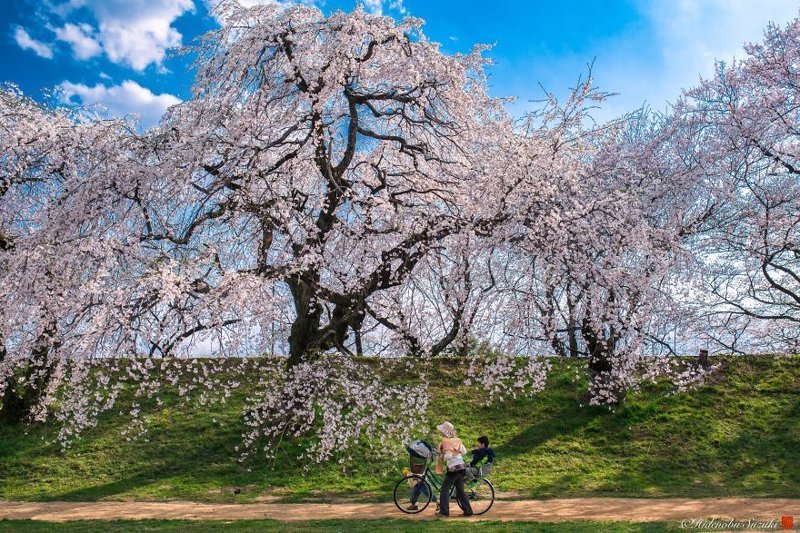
(337, 186)
(45, 156)
(333, 156)
(745, 120)
(323, 164)
(605, 274)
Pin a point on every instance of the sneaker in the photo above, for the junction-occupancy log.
(413, 507)
(440, 515)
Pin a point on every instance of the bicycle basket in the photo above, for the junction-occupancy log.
(420, 449)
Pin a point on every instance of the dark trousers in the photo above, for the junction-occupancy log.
(457, 479)
(418, 490)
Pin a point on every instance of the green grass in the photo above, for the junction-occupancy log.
(736, 436)
(30, 526)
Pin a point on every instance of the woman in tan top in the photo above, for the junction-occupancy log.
(451, 451)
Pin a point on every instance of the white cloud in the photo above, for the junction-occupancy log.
(81, 38)
(675, 44)
(687, 37)
(377, 6)
(692, 34)
(374, 6)
(251, 3)
(136, 33)
(398, 6)
(26, 42)
(128, 98)
(214, 5)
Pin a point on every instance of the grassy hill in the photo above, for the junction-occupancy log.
(737, 435)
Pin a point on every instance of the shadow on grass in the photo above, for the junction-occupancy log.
(728, 452)
(737, 437)
(569, 419)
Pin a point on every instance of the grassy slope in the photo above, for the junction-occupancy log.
(736, 436)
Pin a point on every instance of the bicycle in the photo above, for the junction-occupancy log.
(414, 492)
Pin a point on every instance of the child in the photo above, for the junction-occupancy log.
(482, 454)
(419, 453)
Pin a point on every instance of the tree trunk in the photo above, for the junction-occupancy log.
(13, 408)
(558, 346)
(304, 335)
(19, 401)
(307, 339)
(359, 346)
(601, 365)
(572, 336)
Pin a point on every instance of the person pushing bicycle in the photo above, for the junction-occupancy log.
(451, 451)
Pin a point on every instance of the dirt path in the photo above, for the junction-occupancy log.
(623, 509)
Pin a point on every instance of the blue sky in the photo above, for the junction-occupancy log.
(119, 52)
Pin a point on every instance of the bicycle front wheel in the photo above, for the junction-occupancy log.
(412, 494)
(480, 495)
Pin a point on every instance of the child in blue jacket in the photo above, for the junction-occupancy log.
(482, 455)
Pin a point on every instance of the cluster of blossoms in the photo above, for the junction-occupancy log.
(684, 374)
(502, 375)
(82, 391)
(338, 187)
(334, 402)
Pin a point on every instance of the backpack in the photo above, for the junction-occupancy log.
(420, 449)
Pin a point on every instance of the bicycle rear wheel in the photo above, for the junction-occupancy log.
(481, 496)
(412, 494)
